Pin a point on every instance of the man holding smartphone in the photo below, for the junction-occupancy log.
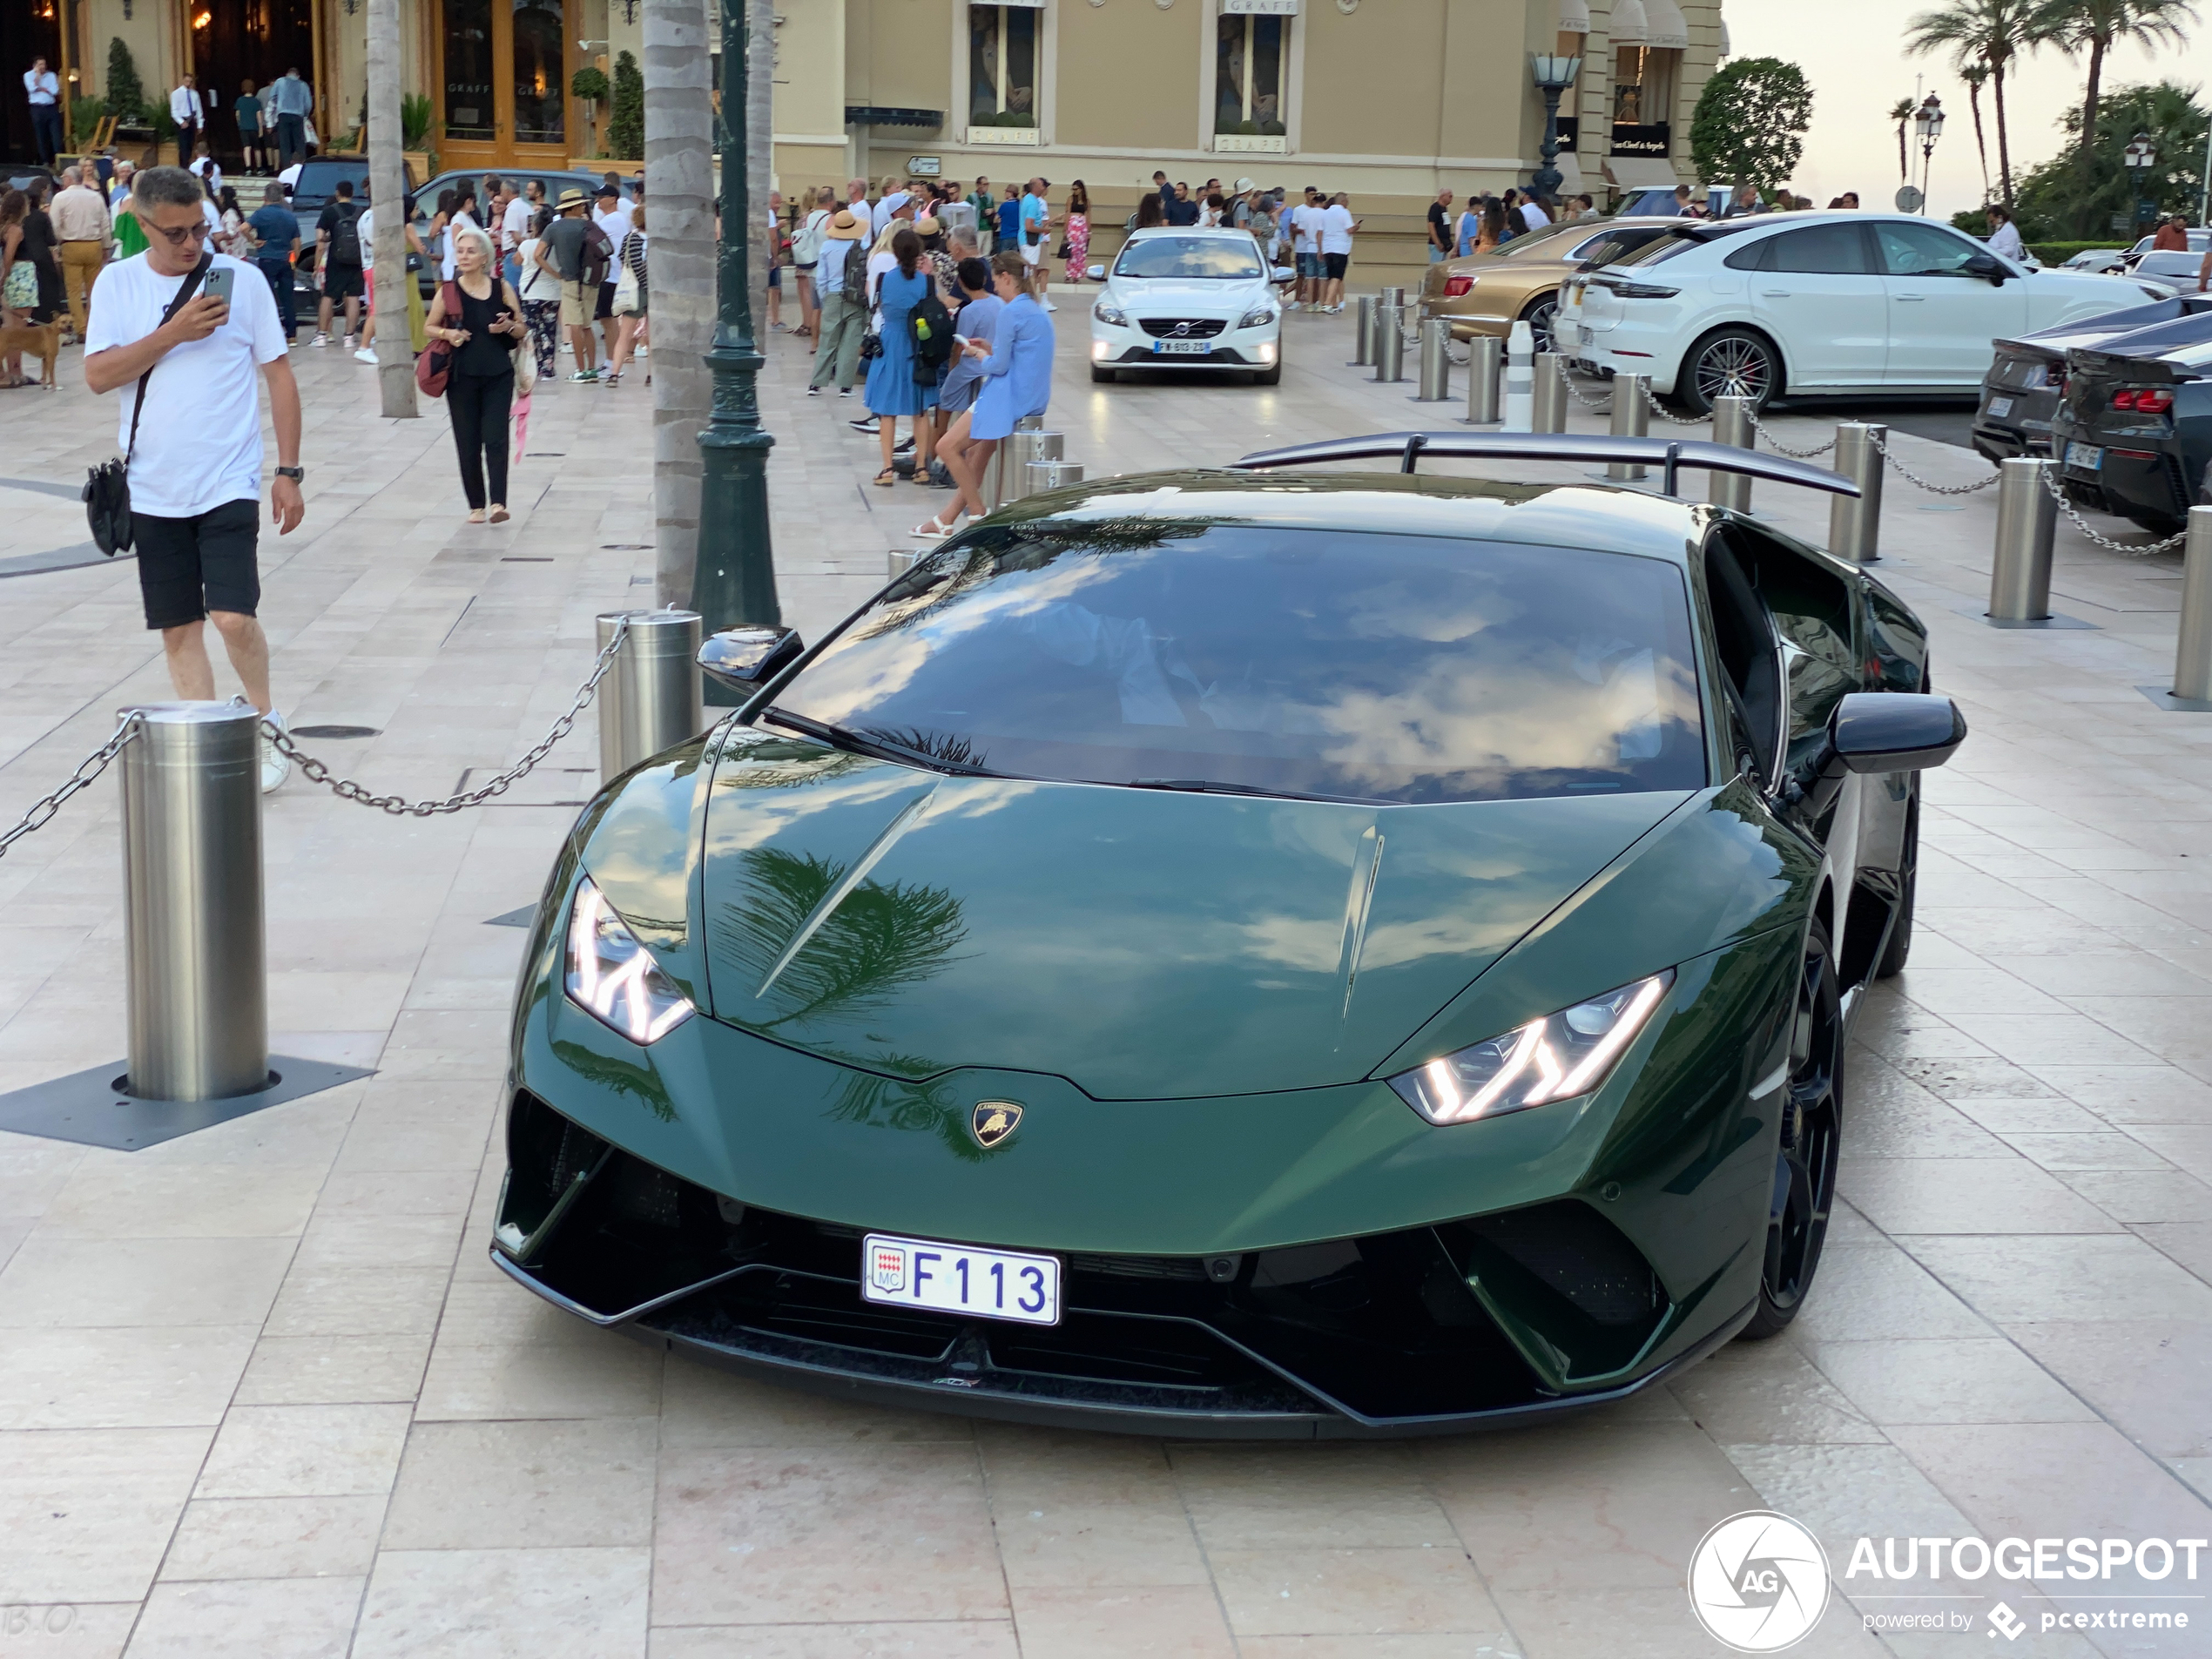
(195, 466)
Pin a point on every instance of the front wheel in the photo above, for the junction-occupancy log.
(1271, 375)
(1540, 316)
(1804, 1161)
(1735, 362)
(1104, 376)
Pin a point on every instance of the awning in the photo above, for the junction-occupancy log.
(1663, 26)
(1641, 173)
(1725, 48)
(1628, 26)
(1571, 175)
(871, 115)
(1574, 16)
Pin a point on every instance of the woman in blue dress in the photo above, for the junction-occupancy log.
(893, 390)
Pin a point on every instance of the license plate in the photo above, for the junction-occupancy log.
(2087, 456)
(2001, 406)
(959, 1278)
(1182, 348)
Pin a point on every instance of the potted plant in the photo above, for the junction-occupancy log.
(417, 114)
(590, 84)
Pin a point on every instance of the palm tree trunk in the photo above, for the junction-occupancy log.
(680, 185)
(2089, 99)
(387, 195)
(1981, 144)
(1903, 172)
(2003, 147)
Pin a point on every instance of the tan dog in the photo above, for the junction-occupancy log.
(40, 340)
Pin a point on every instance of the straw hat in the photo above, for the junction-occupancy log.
(927, 227)
(569, 199)
(846, 228)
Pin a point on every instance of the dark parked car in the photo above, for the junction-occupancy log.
(2020, 395)
(2134, 430)
(316, 186)
(555, 180)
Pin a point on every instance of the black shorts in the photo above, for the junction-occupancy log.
(1332, 266)
(606, 302)
(341, 281)
(188, 567)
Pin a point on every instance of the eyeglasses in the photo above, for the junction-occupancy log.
(195, 232)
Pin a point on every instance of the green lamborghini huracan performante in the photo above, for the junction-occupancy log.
(1266, 951)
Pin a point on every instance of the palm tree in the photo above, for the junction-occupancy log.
(1974, 75)
(679, 182)
(2096, 27)
(1991, 33)
(1901, 112)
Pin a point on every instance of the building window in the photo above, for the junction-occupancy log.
(540, 98)
(468, 70)
(1628, 86)
(1002, 67)
(1251, 59)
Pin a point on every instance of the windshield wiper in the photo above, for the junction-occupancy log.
(838, 737)
(1209, 787)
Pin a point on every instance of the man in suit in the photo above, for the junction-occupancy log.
(43, 88)
(190, 115)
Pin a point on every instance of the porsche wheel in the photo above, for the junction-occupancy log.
(1735, 362)
(1900, 940)
(1805, 1162)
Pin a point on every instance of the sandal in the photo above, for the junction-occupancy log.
(933, 530)
(887, 477)
(499, 515)
(476, 516)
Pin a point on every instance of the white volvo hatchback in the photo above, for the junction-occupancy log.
(1808, 304)
(1184, 298)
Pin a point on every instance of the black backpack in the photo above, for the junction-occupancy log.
(931, 326)
(345, 234)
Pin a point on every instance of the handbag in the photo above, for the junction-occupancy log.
(626, 302)
(107, 486)
(872, 342)
(435, 367)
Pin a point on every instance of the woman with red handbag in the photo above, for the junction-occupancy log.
(479, 320)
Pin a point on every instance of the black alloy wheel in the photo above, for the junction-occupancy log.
(1539, 317)
(1734, 362)
(1805, 1161)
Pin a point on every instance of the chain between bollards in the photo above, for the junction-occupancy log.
(2050, 483)
(42, 811)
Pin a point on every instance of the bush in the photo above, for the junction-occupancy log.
(2059, 253)
(589, 83)
(126, 94)
(1974, 221)
(626, 122)
(417, 113)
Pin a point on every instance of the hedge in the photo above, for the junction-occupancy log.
(2059, 253)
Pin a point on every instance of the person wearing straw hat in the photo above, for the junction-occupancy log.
(844, 304)
(563, 247)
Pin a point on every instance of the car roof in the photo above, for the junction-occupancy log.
(1151, 231)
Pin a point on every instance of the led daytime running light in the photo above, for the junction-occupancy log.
(613, 977)
(1558, 1057)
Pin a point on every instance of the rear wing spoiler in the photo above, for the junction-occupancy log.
(1668, 454)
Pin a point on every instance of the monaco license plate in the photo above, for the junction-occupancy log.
(2087, 456)
(960, 1278)
(1182, 348)
(2001, 406)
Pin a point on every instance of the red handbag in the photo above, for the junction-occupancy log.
(432, 369)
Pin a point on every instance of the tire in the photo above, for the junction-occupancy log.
(1539, 314)
(1900, 940)
(1805, 1149)
(1273, 375)
(1104, 376)
(1738, 357)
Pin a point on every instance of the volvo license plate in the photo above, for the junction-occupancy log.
(960, 1278)
(2087, 456)
(1182, 348)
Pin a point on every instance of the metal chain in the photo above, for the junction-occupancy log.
(2051, 483)
(1600, 403)
(1666, 414)
(42, 813)
(399, 806)
(1759, 427)
(1881, 443)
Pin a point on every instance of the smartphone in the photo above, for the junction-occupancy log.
(215, 285)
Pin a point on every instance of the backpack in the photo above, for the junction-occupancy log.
(931, 326)
(346, 235)
(598, 253)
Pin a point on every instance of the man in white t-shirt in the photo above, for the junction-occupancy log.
(611, 214)
(195, 467)
(515, 225)
(1532, 216)
(1334, 225)
(1305, 248)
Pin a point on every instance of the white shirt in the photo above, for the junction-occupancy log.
(1336, 228)
(41, 89)
(537, 282)
(1533, 217)
(200, 439)
(881, 214)
(185, 111)
(1304, 223)
(2006, 240)
(365, 226)
(458, 222)
(202, 166)
(617, 227)
(290, 177)
(514, 224)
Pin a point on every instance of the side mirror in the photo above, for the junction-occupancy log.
(1282, 274)
(1895, 731)
(1987, 264)
(746, 658)
(1095, 273)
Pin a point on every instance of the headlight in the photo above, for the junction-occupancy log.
(614, 978)
(1557, 1057)
(1257, 317)
(1111, 315)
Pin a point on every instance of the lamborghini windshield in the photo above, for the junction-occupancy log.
(1350, 666)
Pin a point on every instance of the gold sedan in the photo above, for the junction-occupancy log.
(1488, 292)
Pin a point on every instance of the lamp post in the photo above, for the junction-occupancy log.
(2141, 155)
(1553, 76)
(1927, 125)
(733, 574)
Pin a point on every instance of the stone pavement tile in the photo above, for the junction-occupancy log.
(67, 1629)
(1878, 1292)
(1502, 1645)
(701, 1406)
(420, 1126)
(300, 1618)
(1262, 1497)
(1179, 1622)
(547, 1486)
(591, 1373)
(2007, 1195)
(86, 1514)
(365, 1301)
(1077, 1511)
(1843, 1492)
(33, 1170)
(942, 1639)
(241, 1538)
(140, 1195)
(2065, 1039)
(13, 1230)
(1368, 1591)
(137, 1377)
(881, 1533)
(2107, 974)
(528, 1603)
(334, 1371)
(1769, 1392)
(2144, 1196)
(1921, 1128)
(2105, 1149)
(2151, 1379)
(305, 1451)
(343, 1237)
(2031, 1277)
(1951, 991)
(1586, 1503)
(91, 1283)
(2006, 1118)
(2188, 1145)
(350, 1000)
(1642, 1622)
(1933, 1380)
(1952, 1077)
(2132, 1095)
(2189, 1242)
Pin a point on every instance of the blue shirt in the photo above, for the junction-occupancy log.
(1017, 375)
(1010, 222)
(293, 95)
(977, 319)
(1033, 212)
(276, 225)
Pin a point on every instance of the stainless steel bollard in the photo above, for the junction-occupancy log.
(1732, 426)
(1436, 359)
(1548, 410)
(1363, 332)
(1390, 343)
(195, 969)
(996, 479)
(901, 560)
(1485, 360)
(1631, 419)
(1019, 451)
(2020, 576)
(650, 697)
(2193, 650)
(1855, 526)
(1390, 297)
(1052, 474)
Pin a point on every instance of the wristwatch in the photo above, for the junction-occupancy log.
(297, 474)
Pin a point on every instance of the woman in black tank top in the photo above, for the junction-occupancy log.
(484, 328)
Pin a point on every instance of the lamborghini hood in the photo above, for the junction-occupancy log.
(1142, 944)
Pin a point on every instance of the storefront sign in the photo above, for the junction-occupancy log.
(1259, 8)
(924, 166)
(1655, 139)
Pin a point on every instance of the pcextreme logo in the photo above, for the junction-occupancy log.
(1758, 1581)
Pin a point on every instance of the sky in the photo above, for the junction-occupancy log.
(1855, 59)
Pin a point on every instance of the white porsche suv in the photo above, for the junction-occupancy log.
(1186, 298)
(1805, 304)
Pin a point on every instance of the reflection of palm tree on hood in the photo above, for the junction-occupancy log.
(890, 1103)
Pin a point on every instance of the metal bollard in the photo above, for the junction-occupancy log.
(1732, 426)
(1520, 378)
(1547, 411)
(1052, 474)
(2193, 650)
(1390, 343)
(1436, 359)
(1363, 332)
(2020, 576)
(1485, 359)
(1390, 297)
(901, 560)
(1019, 451)
(650, 699)
(1631, 419)
(195, 969)
(1855, 525)
(996, 479)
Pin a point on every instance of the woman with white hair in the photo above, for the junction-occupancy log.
(479, 316)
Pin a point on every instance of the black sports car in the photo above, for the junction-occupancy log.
(2134, 430)
(2020, 395)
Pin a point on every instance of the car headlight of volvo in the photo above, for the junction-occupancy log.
(1257, 317)
(611, 976)
(1109, 315)
(1558, 1057)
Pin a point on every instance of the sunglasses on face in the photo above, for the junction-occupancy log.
(195, 232)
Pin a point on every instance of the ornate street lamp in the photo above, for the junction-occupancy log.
(733, 574)
(1553, 76)
(1927, 127)
(2141, 155)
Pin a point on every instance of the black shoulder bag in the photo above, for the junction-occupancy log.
(107, 486)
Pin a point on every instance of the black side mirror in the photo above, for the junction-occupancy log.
(746, 658)
(1880, 732)
(1987, 264)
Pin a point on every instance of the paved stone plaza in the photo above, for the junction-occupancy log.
(261, 1393)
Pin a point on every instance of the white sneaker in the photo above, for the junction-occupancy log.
(365, 356)
(320, 340)
(274, 767)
